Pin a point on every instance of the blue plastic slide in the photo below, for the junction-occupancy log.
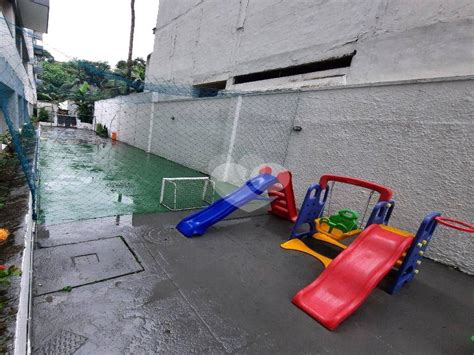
(197, 223)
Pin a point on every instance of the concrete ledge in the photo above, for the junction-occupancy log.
(22, 342)
(326, 88)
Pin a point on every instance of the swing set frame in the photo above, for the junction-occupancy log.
(319, 194)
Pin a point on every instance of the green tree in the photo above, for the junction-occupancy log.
(85, 82)
(43, 115)
(138, 69)
(56, 78)
(84, 97)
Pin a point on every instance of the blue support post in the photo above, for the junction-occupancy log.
(408, 269)
(312, 208)
(381, 213)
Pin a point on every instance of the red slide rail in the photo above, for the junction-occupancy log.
(385, 192)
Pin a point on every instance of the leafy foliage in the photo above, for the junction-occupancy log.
(6, 158)
(101, 130)
(6, 273)
(43, 115)
(85, 82)
(6, 138)
(138, 69)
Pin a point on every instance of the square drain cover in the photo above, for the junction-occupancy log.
(62, 343)
(81, 264)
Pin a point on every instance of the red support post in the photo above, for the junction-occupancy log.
(283, 204)
(385, 192)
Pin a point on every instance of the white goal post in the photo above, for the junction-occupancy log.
(186, 193)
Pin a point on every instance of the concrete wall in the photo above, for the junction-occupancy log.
(208, 40)
(415, 137)
(204, 133)
(128, 116)
(191, 132)
(185, 131)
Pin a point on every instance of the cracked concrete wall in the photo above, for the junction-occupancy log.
(208, 40)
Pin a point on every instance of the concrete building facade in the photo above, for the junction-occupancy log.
(381, 90)
(22, 23)
(223, 42)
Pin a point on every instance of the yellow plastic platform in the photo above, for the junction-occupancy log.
(298, 245)
(401, 232)
(325, 238)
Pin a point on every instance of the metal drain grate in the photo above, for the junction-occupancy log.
(63, 342)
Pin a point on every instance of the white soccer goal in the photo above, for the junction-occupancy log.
(186, 193)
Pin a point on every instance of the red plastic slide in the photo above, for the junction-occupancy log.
(349, 278)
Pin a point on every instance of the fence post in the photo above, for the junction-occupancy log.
(150, 131)
(232, 137)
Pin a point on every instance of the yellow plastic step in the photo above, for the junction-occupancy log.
(323, 237)
(298, 245)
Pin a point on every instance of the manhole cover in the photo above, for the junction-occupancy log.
(82, 263)
(63, 342)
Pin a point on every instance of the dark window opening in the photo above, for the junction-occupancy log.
(209, 89)
(333, 63)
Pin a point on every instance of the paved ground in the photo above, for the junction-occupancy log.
(226, 292)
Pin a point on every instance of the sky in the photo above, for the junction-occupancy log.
(99, 30)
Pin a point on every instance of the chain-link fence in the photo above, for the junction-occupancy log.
(410, 136)
(150, 136)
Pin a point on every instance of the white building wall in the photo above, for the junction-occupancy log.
(128, 116)
(208, 40)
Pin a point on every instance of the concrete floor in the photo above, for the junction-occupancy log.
(229, 291)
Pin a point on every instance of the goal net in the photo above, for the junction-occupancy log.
(185, 193)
